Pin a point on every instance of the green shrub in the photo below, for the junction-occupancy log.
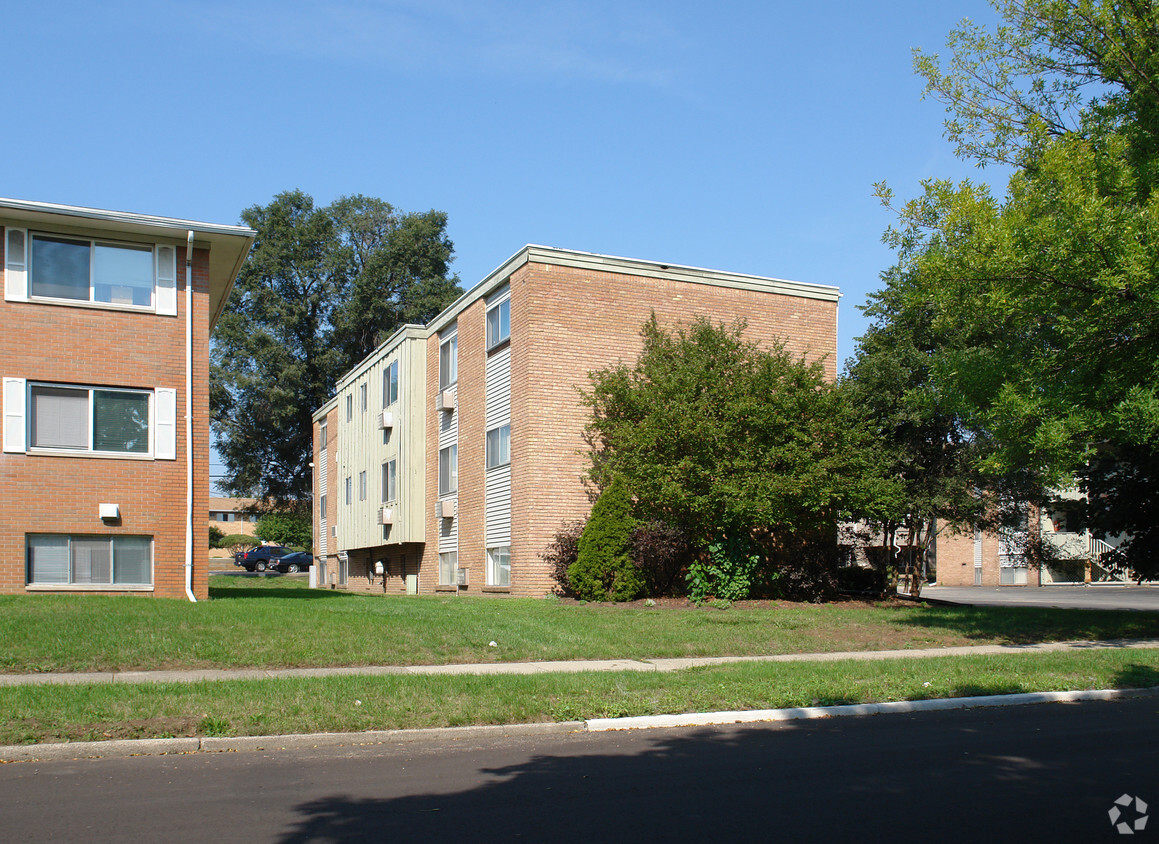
(215, 537)
(236, 542)
(728, 574)
(603, 569)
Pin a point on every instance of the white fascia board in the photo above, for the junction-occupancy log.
(629, 266)
(676, 272)
(25, 210)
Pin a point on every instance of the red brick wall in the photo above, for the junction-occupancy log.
(57, 494)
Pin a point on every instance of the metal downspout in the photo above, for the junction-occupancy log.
(189, 418)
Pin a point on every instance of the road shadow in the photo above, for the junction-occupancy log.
(876, 779)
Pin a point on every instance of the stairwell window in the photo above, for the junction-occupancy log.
(448, 470)
(499, 566)
(449, 362)
(499, 446)
(390, 385)
(389, 481)
(498, 323)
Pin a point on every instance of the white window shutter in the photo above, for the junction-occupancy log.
(165, 433)
(166, 280)
(16, 265)
(14, 428)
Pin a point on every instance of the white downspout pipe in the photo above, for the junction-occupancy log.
(189, 418)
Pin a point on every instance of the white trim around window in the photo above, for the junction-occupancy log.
(89, 421)
(92, 272)
(499, 566)
(63, 561)
(498, 323)
(499, 446)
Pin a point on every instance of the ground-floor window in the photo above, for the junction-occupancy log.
(88, 560)
(499, 566)
(448, 563)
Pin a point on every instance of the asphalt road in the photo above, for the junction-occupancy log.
(1032, 773)
(1073, 597)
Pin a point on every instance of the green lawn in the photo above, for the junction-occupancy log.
(278, 622)
(337, 704)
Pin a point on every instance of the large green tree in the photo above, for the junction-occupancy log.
(321, 289)
(729, 440)
(1047, 294)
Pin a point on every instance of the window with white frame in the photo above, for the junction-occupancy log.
(322, 506)
(92, 270)
(322, 435)
(63, 560)
(349, 489)
(448, 568)
(390, 384)
(362, 486)
(448, 470)
(499, 566)
(499, 446)
(362, 399)
(389, 481)
(88, 419)
(449, 362)
(498, 323)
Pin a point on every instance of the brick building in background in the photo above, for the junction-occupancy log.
(104, 358)
(450, 456)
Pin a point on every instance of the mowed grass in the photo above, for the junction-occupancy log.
(279, 622)
(340, 704)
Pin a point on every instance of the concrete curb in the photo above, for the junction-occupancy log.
(121, 749)
(704, 719)
(560, 667)
(311, 741)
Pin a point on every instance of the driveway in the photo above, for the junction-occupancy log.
(1070, 597)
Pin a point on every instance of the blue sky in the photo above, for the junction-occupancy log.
(741, 136)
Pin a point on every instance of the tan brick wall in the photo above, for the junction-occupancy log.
(57, 494)
(566, 322)
(955, 554)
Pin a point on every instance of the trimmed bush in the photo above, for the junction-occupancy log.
(215, 537)
(603, 569)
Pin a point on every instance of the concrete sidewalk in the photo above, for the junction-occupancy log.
(565, 667)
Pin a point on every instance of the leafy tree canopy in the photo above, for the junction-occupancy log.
(715, 434)
(285, 528)
(1040, 305)
(322, 287)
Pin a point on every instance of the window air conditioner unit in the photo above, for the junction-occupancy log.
(386, 515)
(446, 508)
(461, 577)
(445, 401)
(386, 419)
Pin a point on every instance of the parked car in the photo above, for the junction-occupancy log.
(261, 557)
(293, 562)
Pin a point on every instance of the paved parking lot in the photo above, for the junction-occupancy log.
(1075, 597)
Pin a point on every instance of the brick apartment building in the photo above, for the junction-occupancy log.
(449, 457)
(104, 358)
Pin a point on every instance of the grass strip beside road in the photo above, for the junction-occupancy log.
(33, 714)
(280, 623)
